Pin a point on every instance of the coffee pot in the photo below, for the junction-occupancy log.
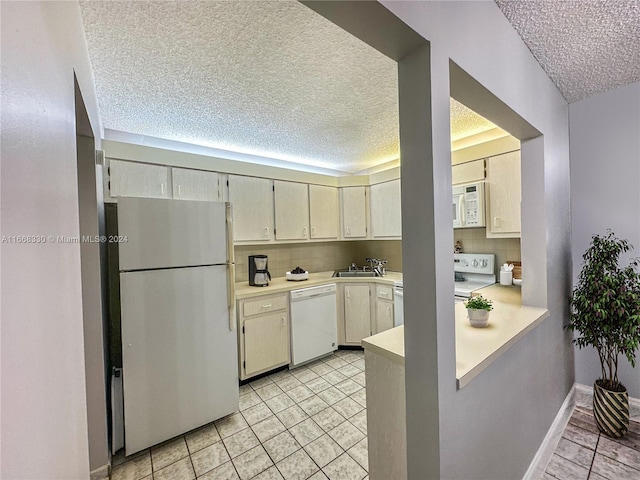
(259, 275)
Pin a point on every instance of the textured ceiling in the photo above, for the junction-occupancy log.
(268, 78)
(585, 46)
(272, 79)
(466, 122)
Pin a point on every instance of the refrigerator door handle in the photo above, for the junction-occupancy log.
(231, 269)
(231, 290)
(230, 252)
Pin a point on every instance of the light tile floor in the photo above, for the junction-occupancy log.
(584, 453)
(305, 423)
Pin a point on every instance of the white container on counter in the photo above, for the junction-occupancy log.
(506, 277)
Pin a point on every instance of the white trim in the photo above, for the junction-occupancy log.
(99, 473)
(550, 442)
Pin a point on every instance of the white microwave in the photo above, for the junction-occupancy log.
(468, 205)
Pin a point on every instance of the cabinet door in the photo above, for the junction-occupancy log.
(292, 210)
(194, 184)
(384, 315)
(252, 200)
(354, 212)
(266, 342)
(468, 172)
(130, 179)
(503, 193)
(357, 313)
(323, 211)
(386, 219)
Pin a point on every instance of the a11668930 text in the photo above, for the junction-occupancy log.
(41, 239)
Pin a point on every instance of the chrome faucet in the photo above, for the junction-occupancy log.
(378, 266)
(353, 267)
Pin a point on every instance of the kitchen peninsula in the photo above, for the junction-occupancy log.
(476, 349)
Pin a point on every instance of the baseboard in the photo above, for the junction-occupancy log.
(551, 439)
(100, 473)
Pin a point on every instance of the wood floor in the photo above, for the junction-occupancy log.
(584, 453)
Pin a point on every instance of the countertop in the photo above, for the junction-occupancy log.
(281, 284)
(389, 343)
(476, 348)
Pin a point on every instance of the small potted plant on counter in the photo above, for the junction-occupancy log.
(605, 312)
(478, 309)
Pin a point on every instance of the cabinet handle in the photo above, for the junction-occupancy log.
(348, 292)
(179, 193)
(266, 232)
(162, 188)
(282, 322)
(496, 222)
(304, 232)
(266, 306)
(348, 233)
(313, 231)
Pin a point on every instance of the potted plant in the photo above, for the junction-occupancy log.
(605, 312)
(478, 309)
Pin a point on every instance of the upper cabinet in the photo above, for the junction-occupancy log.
(292, 210)
(468, 172)
(323, 212)
(354, 212)
(252, 200)
(194, 184)
(130, 179)
(503, 195)
(386, 215)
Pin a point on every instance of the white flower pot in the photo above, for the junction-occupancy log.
(478, 318)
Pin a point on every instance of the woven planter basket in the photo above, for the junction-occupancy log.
(611, 410)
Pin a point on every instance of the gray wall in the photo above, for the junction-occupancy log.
(605, 190)
(44, 411)
(92, 308)
(519, 395)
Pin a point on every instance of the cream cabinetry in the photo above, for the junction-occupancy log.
(292, 210)
(386, 214)
(354, 212)
(263, 334)
(323, 212)
(383, 309)
(194, 184)
(252, 200)
(503, 195)
(131, 179)
(356, 312)
(468, 172)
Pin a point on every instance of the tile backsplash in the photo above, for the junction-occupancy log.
(318, 256)
(313, 257)
(474, 240)
(327, 256)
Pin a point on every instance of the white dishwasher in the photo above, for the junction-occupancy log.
(314, 323)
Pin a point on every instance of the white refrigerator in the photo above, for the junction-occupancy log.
(179, 345)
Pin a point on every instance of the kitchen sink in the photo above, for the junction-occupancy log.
(352, 274)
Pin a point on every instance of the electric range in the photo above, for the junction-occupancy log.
(472, 272)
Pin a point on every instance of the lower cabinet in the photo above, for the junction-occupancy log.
(356, 312)
(364, 309)
(263, 334)
(384, 309)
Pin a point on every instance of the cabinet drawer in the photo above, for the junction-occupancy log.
(385, 292)
(264, 305)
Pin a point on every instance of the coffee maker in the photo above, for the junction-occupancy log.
(259, 275)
